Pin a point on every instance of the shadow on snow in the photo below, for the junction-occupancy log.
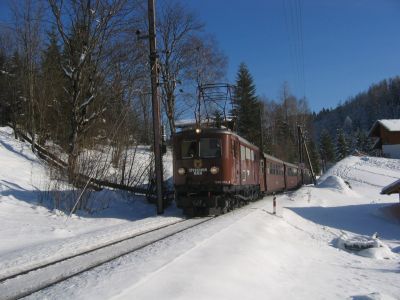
(363, 219)
(103, 204)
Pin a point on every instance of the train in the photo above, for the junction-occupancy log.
(215, 170)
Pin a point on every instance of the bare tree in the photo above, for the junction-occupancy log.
(85, 27)
(175, 28)
(280, 121)
(206, 63)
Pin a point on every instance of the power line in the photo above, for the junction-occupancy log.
(294, 26)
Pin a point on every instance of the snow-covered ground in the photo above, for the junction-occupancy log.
(31, 232)
(249, 254)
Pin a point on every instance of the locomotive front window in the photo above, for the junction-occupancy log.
(189, 149)
(210, 148)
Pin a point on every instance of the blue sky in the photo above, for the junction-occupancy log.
(347, 44)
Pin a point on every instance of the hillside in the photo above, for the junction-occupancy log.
(380, 101)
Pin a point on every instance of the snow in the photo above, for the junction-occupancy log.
(185, 122)
(87, 102)
(391, 124)
(32, 233)
(247, 254)
(336, 183)
(365, 246)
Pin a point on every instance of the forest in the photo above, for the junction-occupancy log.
(75, 78)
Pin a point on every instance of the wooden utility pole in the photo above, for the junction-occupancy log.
(301, 159)
(308, 155)
(300, 143)
(158, 169)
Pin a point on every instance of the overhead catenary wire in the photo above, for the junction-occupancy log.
(293, 15)
(291, 47)
(302, 46)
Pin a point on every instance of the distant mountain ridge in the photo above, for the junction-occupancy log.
(358, 113)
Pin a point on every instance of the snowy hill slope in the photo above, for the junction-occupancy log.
(360, 209)
(249, 254)
(366, 171)
(31, 231)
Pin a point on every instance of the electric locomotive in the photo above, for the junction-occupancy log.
(215, 170)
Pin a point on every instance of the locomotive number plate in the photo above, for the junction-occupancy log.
(199, 171)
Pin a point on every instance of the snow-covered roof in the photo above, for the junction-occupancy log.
(389, 124)
(391, 188)
(187, 123)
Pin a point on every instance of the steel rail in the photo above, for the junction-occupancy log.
(25, 283)
(93, 248)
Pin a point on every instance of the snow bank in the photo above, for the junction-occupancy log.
(365, 246)
(336, 183)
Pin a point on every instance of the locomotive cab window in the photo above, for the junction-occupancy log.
(188, 149)
(210, 148)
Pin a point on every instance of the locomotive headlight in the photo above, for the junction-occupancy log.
(198, 130)
(214, 170)
(181, 171)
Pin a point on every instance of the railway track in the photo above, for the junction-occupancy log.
(29, 281)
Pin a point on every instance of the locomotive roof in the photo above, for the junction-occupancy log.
(270, 157)
(291, 165)
(216, 130)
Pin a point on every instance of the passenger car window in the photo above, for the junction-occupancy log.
(210, 148)
(248, 153)
(188, 149)
(242, 152)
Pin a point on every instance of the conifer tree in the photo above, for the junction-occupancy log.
(342, 149)
(314, 156)
(54, 107)
(361, 141)
(11, 97)
(247, 107)
(326, 147)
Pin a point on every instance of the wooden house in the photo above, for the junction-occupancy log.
(387, 134)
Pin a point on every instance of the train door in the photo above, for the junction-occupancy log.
(262, 175)
(236, 161)
(243, 166)
(285, 176)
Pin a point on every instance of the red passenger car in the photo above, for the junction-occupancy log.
(291, 176)
(275, 169)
